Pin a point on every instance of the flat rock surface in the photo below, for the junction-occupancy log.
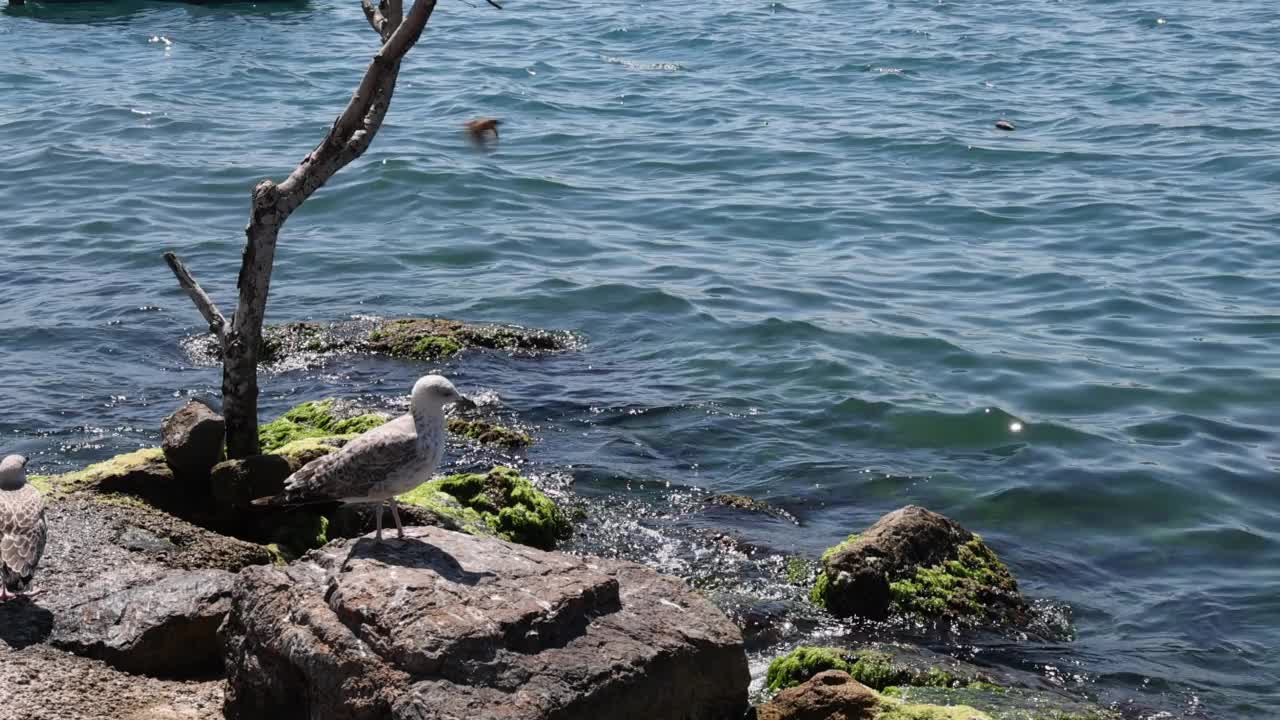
(446, 625)
(95, 551)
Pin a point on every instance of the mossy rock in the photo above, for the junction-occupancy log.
(440, 338)
(322, 421)
(487, 433)
(914, 561)
(143, 474)
(744, 503)
(875, 667)
(500, 502)
(988, 704)
(955, 588)
(311, 420)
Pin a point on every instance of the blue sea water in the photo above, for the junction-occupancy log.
(806, 265)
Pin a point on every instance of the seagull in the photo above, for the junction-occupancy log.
(22, 528)
(382, 463)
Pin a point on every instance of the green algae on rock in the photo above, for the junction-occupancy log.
(917, 561)
(959, 587)
(487, 433)
(874, 667)
(122, 473)
(314, 419)
(997, 704)
(500, 502)
(439, 338)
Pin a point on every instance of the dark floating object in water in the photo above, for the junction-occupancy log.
(483, 129)
(1003, 124)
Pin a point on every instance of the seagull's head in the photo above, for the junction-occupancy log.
(13, 471)
(433, 392)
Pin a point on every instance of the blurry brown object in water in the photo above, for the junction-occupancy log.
(483, 129)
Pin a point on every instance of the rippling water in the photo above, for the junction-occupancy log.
(808, 266)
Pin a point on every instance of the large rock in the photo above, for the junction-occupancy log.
(829, 695)
(447, 625)
(916, 561)
(165, 625)
(193, 439)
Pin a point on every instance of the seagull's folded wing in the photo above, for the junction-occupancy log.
(359, 467)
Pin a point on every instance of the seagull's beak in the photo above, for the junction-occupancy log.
(464, 403)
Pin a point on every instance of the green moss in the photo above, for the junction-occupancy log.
(301, 452)
(417, 339)
(894, 709)
(956, 587)
(993, 702)
(874, 668)
(313, 419)
(489, 433)
(803, 663)
(798, 571)
(149, 460)
(500, 502)
(43, 483)
(821, 586)
(279, 555)
(837, 548)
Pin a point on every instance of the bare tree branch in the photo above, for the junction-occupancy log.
(203, 303)
(375, 18)
(346, 140)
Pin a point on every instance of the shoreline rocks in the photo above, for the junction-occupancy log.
(444, 624)
(917, 561)
(192, 439)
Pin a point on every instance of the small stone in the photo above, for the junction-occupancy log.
(193, 439)
(1005, 125)
(829, 695)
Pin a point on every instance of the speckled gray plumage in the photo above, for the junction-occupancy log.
(381, 463)
(384, 462)
(22, 527)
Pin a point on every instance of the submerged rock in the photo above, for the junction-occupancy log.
(876, 667)
(917, 561)
(163, 626)
(192, 439)
(488, 433)
(436, 338)
(444, 624)
(410, 338)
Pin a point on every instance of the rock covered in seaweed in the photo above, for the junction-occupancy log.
(426, 339)
(444, 624)
(877, 667)
(500, 502)
(914, 560)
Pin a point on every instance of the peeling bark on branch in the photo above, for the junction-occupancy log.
(203, 303)
(350, 136)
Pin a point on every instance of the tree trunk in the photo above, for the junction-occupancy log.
(354, 129)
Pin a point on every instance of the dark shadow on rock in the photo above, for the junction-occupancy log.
(416, 554)
(23, 623)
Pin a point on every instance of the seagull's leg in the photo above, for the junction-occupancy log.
(378, 513)
(395, 515)
(4, 592)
